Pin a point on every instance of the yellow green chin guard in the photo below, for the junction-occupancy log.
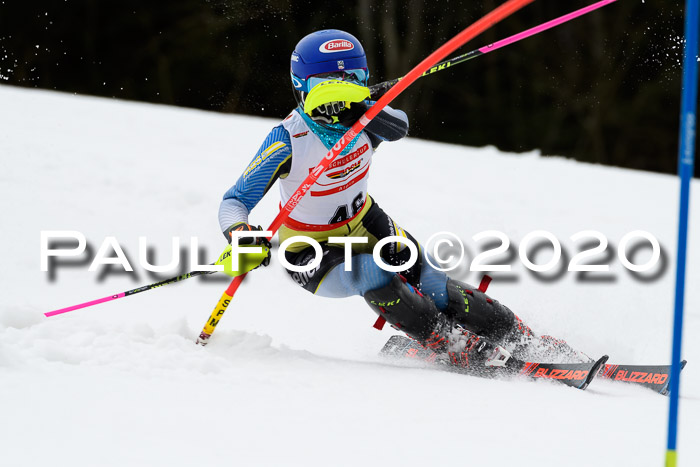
(246, 261)
(334, 90)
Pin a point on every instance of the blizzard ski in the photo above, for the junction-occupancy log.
(655, 377)
(578, 375)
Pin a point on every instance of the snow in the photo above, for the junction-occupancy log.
(289, 378)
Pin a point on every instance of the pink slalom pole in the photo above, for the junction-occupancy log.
(127, 293)
(544, 26)
(85, 305)
(380, 89)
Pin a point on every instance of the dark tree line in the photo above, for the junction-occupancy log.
(604, 88)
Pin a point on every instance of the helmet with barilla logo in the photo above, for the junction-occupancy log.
(328, 52)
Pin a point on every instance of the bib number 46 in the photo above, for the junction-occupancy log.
(342, 213)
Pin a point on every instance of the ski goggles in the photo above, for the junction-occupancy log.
(357, 76)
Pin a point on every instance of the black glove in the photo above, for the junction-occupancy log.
(348, 116)
(379, 89)
(245, 227)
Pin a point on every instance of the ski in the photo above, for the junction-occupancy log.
(655, 377)
(578, 375)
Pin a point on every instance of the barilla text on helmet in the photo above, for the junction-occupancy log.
(336, 45)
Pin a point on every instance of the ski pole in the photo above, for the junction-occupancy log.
(144, 288)
(495, 16)
(379, 89)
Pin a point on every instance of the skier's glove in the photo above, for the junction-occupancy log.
(245, 227)
(246, 262)
(352, 113)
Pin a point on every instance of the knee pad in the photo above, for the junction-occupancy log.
(405, 309)
(471, 308)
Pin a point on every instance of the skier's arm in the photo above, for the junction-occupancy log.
(389, 125)
(272, 161)
(232, 211)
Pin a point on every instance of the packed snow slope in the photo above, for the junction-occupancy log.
(293, 379)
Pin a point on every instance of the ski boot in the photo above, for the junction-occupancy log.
(479, 313)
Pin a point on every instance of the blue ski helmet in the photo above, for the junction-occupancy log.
(327, 51)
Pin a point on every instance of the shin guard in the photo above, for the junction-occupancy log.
(405, 309)
(477, 312)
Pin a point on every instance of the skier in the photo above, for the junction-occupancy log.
(329, 76)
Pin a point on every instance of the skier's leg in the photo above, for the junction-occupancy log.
(417, 299)
(429, 307)
(433, 283)
(389, 294)
(330, 279)
(364, 275)
(463, 305)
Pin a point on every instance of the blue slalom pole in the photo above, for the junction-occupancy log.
(686, 156)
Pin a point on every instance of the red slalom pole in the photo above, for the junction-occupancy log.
(495, 16)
